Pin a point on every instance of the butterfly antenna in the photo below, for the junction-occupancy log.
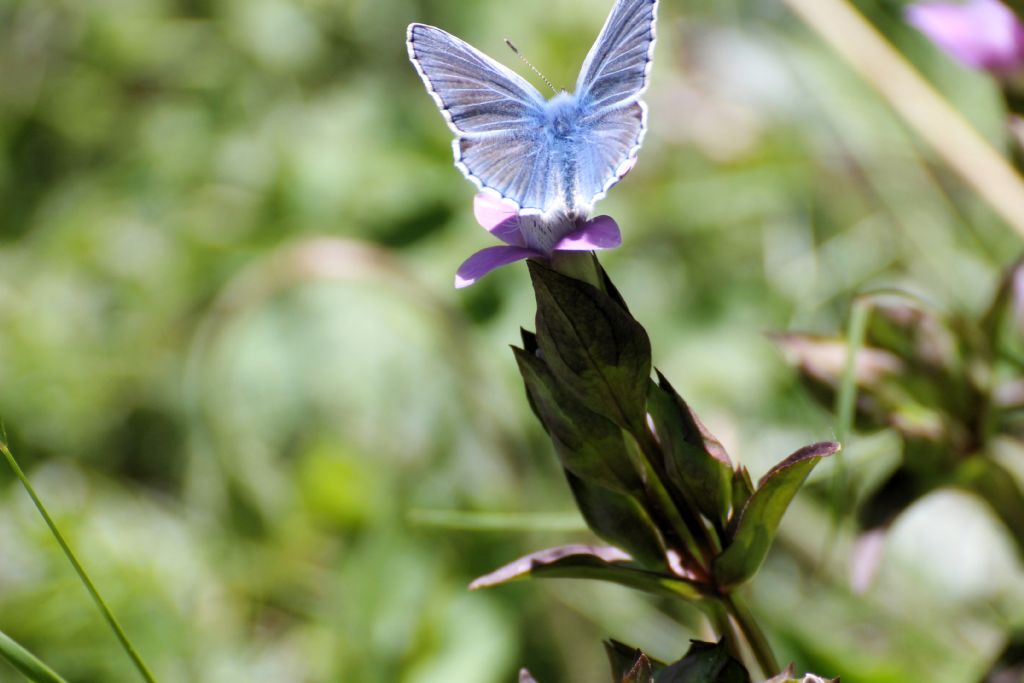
(527, 62)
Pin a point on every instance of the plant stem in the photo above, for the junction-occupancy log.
(846, 400)
(581, 265)
(86, 581)
(719, 618)
(945, 129)
(755, 637)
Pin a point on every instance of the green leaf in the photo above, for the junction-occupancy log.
(588, 445)
(697, 464)
(822, 363)
(742, 488)
(26, 662)
(641, 671)
(1004, 303)
(627, 661)
(608, 286)
(705, 663)
(620, 520)
(593, 346)
(589, 562)
(760, 517)
(929, 349)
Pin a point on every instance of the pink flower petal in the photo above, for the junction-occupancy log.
(486, 260)
(599, 233)
(982, 34)
(491, 211)
(498, 217)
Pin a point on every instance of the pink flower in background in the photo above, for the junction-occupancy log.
(982, 34)
(517, 232)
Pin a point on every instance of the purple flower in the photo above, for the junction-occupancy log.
(983, 34)
(528, 236)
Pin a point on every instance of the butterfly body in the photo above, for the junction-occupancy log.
(553, 158)
(565, 132)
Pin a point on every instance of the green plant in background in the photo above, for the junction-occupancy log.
(946, 382)
(946, 385)
(233, 366)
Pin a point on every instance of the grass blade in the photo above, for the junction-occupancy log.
(26, 662)
(115, 626)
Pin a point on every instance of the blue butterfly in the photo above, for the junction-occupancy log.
(554, 158)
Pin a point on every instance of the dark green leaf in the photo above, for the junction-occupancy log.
(697, 464)
(1004, 303)
(760, 517)
(625, 659)
(609, 286)
(906, 327)
(742, 488)
(589, 562)
(529, 341)
(590, 446)
(622, 658)
(705, 663)
(530, 346)
(930, 351)
(620, 520)
(593, 346)
(641, 672)
(27, 663)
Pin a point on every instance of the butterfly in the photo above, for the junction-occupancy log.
(552, 158)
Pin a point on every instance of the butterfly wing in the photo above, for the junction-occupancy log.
(615, 72)
(497, 117)
(614, 76)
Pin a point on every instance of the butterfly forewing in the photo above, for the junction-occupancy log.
(476, 93)
(497, 115)
(613, 77)
(617, 67)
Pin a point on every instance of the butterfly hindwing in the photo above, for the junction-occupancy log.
(609, 150)
(518, 166)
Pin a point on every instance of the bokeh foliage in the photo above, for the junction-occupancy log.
(232, 360)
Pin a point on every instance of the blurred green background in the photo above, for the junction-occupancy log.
(233, 362)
